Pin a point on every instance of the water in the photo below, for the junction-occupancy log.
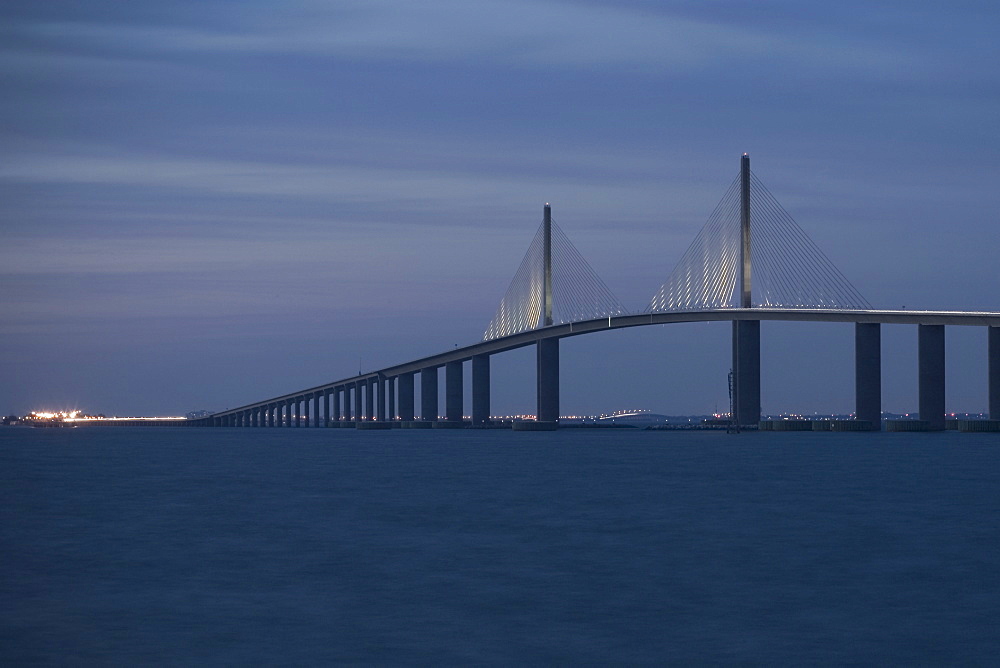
(181, 546)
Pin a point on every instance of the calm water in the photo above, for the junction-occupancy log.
(180, 546)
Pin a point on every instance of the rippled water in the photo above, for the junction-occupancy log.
(307, 546)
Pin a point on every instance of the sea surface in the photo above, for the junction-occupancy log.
(320, 546)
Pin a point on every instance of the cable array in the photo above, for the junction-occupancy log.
(578, 293)
(788, 268)
(705, 276)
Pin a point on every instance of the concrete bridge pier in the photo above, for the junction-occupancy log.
(868, 373)
(480, 389)
(746, 372)
(391, 386)
(429, 394)
(270, 415)
(994, 372)
(337, 394)
(370, 399)
(297, 409)
(314, 422)
(930, 347)
(547, 357)
(379, 385)
(359, 412)
(454, 391)
(406, 397)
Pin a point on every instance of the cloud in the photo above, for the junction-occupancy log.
(521, 33)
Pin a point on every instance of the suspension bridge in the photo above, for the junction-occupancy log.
(750, 262)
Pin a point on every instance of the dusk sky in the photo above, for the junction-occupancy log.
(206, 204)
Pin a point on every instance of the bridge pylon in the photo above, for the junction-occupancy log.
(746, 333)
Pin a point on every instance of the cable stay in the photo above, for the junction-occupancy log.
(789, 269)
(575, 290)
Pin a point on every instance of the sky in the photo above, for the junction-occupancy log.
(205, 204)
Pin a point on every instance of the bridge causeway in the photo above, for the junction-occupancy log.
(750, 263)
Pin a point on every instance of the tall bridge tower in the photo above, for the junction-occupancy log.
(746, 333)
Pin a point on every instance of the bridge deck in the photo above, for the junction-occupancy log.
(519, 340)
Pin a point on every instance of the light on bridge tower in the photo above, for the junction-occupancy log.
(547, 265)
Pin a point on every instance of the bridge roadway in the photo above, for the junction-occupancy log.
(867, 363)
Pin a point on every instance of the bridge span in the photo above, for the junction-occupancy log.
(387, 394)
(555, 294)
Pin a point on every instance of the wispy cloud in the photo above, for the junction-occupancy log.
(516, 32)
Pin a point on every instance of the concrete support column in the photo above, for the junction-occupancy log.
(930, 346)
(359, 412)
(326, 407)
(454, 391)
(391, 384)
(298, 411)
(746, 371)
(380, 399)
(254, 417)
(337, 394)
(429, 394)
(994, 372)
(547, 358)
(270, 415)
(868, 373)
(480, 389)
(347, 403)
(406, 397)
(370, 399)
(315, 413)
